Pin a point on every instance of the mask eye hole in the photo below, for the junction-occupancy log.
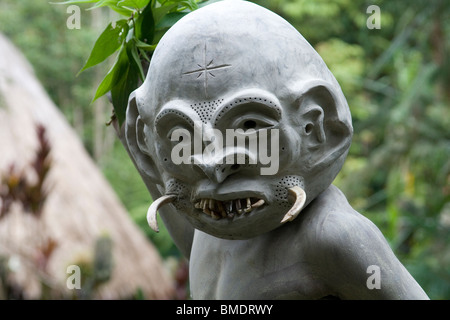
(250, 124)
(253, 121)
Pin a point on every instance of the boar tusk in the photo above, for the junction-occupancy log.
(299, 201)
(154, 207)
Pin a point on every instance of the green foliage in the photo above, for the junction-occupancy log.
(135, 38)
(107, 43)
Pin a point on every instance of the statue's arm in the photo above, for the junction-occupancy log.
(360, 263)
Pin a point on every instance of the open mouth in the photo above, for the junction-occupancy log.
(218, 209)
(228, 209)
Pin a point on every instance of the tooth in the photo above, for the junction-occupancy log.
(258, 204)
(238, 206)
(249, 203)
(299, 201)
(154, 207)
(215, 215)
(198, 205)
(248, 209)
(207, 211)
(229, 207)
(221, 209)
(204, 204)
(211, 204)
(242, 207)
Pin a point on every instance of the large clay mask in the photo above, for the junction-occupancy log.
(237, 134)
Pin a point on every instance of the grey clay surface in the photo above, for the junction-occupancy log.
(235, 65)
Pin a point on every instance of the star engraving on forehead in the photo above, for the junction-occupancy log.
(206, 70)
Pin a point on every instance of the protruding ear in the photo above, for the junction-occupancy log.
(311, 120)
(135, 137)
(325, 124)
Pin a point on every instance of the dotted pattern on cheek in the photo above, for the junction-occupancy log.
(281, 189)
(174, 186)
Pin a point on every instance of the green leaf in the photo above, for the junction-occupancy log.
(116, 71)
(144, 46)
(121, 80)
(121, 91)
(75, 2)
(106, 84)
(166, 17)
(135, 60)
(122, 11)
(137, 4)
(201, 4)
(160, 12)
(145, 25)
(170, 19)
(104, 3)
(126, 81)
(113, 5)
(107, 43)
(144, 55)
(191, 4)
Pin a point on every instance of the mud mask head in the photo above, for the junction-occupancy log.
(238, 134)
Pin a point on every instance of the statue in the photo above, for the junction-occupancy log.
(238, 132)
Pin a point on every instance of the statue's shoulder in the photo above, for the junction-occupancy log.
(346, 247)
(336, 223)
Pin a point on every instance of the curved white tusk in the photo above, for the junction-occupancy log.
(300, 198)
(154, 207)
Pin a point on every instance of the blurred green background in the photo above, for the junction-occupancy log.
(396, 80)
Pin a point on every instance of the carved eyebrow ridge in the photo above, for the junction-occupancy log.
(173, 111)
(269, 102)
